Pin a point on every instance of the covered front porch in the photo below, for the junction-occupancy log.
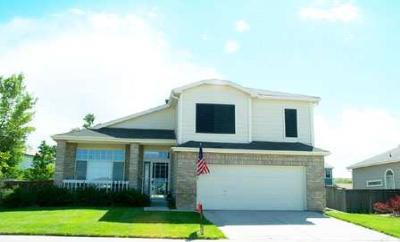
(109, 166)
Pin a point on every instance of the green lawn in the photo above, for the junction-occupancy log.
(383, 223)
(115, 222)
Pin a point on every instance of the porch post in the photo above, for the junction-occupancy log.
(65, 161)
(133, 166)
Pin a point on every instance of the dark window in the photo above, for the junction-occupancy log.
(215, 118)
(81, 168)
(291, 122)
(118, 171)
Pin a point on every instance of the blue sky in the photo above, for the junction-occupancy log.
(346, 52)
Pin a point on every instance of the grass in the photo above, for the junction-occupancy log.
(108, 222)
(383, 223)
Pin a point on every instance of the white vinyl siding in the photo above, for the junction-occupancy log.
(252, 187)
(213, 94)
(268, 122)
(163, 119)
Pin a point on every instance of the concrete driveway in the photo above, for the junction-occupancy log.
(290, 226)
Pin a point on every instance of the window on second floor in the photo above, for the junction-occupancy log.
(291, 123)
(215, 118)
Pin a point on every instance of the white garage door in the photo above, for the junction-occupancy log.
(252, 187)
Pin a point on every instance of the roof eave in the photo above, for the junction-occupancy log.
(252, 151)
(355, 166)
(72, 138)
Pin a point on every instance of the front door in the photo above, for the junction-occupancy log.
(159, 179)
(155, 183)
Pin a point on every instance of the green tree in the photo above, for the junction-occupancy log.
(88, 120)
(16, 112)
(43, 163)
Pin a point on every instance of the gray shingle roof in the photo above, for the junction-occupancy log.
(389, 156)
(124, 133)
(255, 145)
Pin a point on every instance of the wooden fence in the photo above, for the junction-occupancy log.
(356, 200)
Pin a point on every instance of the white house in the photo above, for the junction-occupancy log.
(259, 145)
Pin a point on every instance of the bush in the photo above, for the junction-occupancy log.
(50, 195)
(391, 206)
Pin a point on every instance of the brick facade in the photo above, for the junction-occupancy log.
(184, 176)
(133, 158)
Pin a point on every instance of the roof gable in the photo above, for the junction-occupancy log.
(256, 93)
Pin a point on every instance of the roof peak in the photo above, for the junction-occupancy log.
(254, 92)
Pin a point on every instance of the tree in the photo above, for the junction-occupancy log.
(88, 120)
(43, 163)
(16, 112)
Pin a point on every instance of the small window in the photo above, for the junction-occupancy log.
(291, 123)
(328, 173)
(374, 183)
(389, 179)
(215, 118)
(156, 155)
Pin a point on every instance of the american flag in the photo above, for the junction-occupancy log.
(202, 167)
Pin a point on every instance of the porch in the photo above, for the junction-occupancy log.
(114, 167)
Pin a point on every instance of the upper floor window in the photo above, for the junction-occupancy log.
(215, 118)
(291, 123)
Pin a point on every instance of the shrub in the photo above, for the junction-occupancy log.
(50, 195)
(391, 206)
(394, 204)
(380, 207)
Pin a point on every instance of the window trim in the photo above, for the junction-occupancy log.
(393, 178)
(376, 180)
(284, 123)
(217, 104)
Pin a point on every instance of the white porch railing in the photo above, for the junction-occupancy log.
(101, 185)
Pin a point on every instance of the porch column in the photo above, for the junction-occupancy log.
(133, 166)
(65, 161)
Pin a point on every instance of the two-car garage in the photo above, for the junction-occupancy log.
(253, 187)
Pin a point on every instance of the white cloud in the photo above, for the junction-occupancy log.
(242, 26)
(76, 11)
(231, 46)
(338, 12)
(109, 64)
(356, 134)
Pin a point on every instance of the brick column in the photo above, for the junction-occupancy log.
(316, 194)
(59, 168)
(133, 166)
(65, 161)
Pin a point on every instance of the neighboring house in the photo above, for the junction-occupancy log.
(379, 172)
(328, 175)
(27, 161)
(258, 144)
